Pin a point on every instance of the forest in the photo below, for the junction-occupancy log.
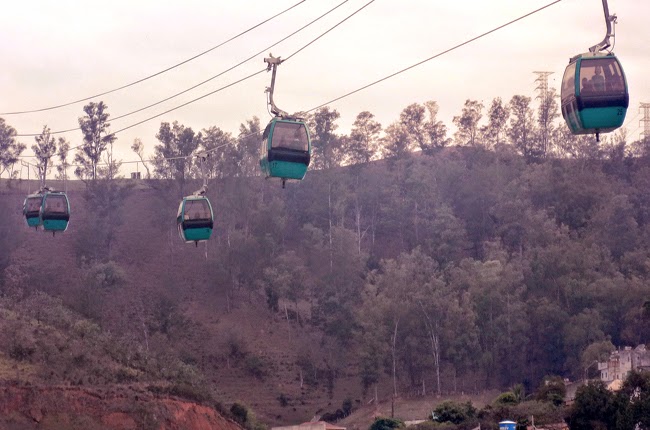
(408, 259)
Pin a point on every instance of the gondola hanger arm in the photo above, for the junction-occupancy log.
(610, 21)
(272, 65)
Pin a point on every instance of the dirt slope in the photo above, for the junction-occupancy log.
(123, 408)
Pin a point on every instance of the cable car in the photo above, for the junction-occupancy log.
(594, 91)
(32, 210)
(594, 94)
(55, 211)
(286, 149)
(195, 219)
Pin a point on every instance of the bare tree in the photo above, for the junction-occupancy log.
(138, 148)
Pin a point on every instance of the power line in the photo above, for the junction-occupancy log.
(153, 75)
(256, 73)
(631, 119)
(190, 102)
(221, 73)
(236, 65)
(241, 80)
(435, 56)
(332, 28)
(359, 89)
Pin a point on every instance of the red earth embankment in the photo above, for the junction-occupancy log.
(123, 408)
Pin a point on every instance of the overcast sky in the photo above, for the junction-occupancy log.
(54, 52)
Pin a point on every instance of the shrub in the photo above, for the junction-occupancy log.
(190, 392)
(256, 366)
(245, 417)
(505, 399)
(454, 412)
(552, 390)
(386, 424)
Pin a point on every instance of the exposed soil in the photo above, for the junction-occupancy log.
(116, 407)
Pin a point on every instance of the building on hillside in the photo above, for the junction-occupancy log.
(312, 425)
(622, 362)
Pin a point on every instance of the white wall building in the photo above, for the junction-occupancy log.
(622, 362)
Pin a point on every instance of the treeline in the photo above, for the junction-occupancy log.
(521, 251)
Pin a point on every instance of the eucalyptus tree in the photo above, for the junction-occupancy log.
(96, 139)
(521, 130)
(422, 126)
(44, 150)
(172, 157)
(494, 132)
(396, 142)
(403, 288)
(62, 155)
(467, 123)
(224, 159)
(546, 116)
(326, 143)
(247, 147)
(10, 149)
(362, 144)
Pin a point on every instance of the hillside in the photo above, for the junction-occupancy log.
(465, 271)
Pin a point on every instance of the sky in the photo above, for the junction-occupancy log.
(57, 52)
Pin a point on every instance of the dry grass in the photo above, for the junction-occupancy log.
(12, 370)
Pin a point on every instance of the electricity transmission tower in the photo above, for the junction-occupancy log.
(544, 109)
(645, 122)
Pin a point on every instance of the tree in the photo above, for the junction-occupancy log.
(248, 147)
(10, 150)
(615, 226)
(285, 279)
(467, 123)
(396, 141)
(546, 116)
(429, 134)
(62, 153)
(581, 147)
(138, 148)
(105, 199)
(493, 133)
(595, 352)
(552, 389)
(522, 128)
(224, 159)
(580, 331)
(634, 402)
(172, 159)
(436, 130)
(594, 407)
(363, 144)
(325, 142)
(96, 138)
(44, 150)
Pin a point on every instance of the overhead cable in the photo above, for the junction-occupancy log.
(435, 56)
(218, 75)
(155, 74)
